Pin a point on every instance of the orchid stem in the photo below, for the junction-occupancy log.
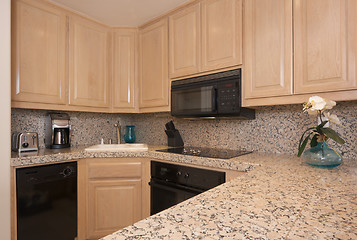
(320, 115)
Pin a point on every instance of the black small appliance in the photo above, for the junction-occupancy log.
(212, 96)
(57, 130)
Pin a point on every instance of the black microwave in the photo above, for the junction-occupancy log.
(210, 96)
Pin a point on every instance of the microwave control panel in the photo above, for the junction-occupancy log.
(228, 97)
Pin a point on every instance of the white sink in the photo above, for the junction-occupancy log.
(127, 147)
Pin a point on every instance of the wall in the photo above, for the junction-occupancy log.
(276, 129)
(5, 119)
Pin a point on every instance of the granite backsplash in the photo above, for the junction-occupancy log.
(276, 129)
(86, 128)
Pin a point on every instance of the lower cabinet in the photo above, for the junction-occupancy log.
(112, 193)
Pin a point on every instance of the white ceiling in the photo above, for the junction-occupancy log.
(121, 13)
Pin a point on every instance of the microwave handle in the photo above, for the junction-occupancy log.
(214, 99)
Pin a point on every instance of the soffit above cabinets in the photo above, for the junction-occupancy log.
(121, 13)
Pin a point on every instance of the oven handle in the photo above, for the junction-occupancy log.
(168, 186)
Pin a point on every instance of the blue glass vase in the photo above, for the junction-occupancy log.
(129, 135)
(322, 156)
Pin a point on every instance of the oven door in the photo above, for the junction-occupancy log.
(165, 194)
(193, 100)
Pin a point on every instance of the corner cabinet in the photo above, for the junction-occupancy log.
(38, 53)
(88, 63)
(124, 79)
(153, 67)
(113, 193)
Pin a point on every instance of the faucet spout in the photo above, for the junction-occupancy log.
(117, 126)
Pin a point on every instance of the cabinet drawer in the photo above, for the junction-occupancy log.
(114, 170)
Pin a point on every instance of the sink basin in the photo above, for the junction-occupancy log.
(128, 147)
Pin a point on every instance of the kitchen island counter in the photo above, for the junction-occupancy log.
(280, 197)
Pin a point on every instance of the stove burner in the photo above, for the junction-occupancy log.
(206, 152)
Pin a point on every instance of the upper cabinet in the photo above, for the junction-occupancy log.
(38, 53)
(268, 48)
(325, 45)
(292, 49)
(124, 70)
(221, 34)
(88, 63)
(206, 36)
(185, 41)
(297, 48)
(153, 67)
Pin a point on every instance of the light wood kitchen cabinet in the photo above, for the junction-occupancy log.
(88, 63)
(221, 34)
(38, 53)
(112, 193)
(205, 37)
(324, 51)
(325, 45)
(153, 67)
(268, 48)
(124, 70)
(185, 41)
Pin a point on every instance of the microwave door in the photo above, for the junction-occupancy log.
(196, 101)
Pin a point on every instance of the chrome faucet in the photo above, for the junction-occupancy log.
(117, 126)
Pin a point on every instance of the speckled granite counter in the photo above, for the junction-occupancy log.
(279, 198)
(46, 156)
(283, 198)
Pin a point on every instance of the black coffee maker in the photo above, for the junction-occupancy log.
(57, 130)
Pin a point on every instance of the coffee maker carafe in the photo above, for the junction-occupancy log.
(57, 130)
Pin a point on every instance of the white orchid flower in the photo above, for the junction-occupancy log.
(311, 111)
(316, 104)
(333, 118)
(330, 104)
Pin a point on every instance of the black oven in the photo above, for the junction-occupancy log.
(210, 96)
(171, 184)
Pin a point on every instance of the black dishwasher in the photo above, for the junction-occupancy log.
(47, 202)
(171, 184)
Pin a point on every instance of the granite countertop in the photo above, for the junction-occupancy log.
(46, 156)
(280, 197)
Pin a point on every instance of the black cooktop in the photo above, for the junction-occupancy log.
(206, 152)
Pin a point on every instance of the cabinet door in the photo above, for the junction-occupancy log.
(154, 79)
(185, 41)
(88, 63)
(124, 62)
(267, 48)
(221, 34)
(112, 205)
(38, 53)
(325, 45)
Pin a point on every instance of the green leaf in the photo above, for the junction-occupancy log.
(313, 142)
(304, 134)
(303, 145)
(333, 135)
(321, 125)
